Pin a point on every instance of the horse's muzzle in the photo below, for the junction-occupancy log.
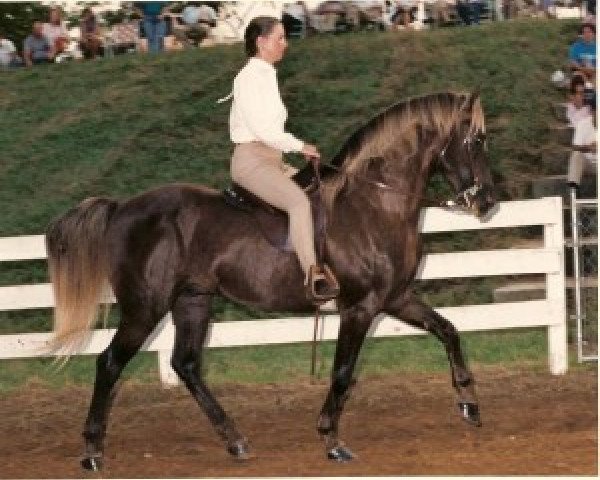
(477, 199)
(483, 201)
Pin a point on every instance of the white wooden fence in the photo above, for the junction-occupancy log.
(549, 312)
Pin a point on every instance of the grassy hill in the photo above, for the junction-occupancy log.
(119, 126)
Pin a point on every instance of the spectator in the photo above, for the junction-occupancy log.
(464, 11)
(8, 54)
(469, 11)
(404, 17)
(56, 32)
(153, 24)
(91, 40)
(198, 19)
(582, 54)
(36, 47)
(440, 11)
(295, 17)
(584, 149)
(577, 109)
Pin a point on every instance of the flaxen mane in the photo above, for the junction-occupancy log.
(395, 133)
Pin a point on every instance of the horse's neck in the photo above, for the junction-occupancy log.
(397, 199)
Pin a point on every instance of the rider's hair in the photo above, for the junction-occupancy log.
(258, 27)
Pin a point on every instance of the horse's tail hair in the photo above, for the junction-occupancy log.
(78, 265)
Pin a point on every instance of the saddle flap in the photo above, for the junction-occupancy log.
(272, 222)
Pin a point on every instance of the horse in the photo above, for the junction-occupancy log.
(175, 247)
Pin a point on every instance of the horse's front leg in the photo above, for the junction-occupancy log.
(354, 324)
(414, 312)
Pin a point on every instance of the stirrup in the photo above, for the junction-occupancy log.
(322, 284)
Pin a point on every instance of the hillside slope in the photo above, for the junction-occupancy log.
(119, 126)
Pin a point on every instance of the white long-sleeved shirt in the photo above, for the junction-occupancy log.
(257, 112)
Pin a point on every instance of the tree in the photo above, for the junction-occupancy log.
(16, 19)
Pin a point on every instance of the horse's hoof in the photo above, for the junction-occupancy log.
(340, 454)
(239, 450)
(470, 413)
(93, 464)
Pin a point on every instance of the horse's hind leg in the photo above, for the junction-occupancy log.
(414, 312)
(137, 322)
(191, 316)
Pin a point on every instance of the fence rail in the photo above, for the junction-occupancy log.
(548, 260)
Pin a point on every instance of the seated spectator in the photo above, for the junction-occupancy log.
(577, 109)
(582, 54)
(56, 31)
(36, 47)
(295, 18)
(91, 40)
(584, 154)
(441, 11)
(153, 24)
(8, 54)
(469, 11)
(197, 19)
(404, 17)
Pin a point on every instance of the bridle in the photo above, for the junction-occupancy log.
(464, 199)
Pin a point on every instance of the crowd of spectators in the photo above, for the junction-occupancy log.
(49, 41)
(159, 28)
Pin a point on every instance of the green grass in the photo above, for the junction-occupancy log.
(120, 126)
(525, 348)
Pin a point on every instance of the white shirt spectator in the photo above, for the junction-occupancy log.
(52, 32)
(585, 134)
(206, 14)
(575, 114)
(7, 51)
(257, 112)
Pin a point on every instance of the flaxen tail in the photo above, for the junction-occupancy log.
(78, 267)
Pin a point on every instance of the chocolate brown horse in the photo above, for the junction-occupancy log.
(176, 247)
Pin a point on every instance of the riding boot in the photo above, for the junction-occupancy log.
(322, 285)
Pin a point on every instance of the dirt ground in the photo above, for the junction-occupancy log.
(534, 424)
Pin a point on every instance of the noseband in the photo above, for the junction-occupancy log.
(463, 199)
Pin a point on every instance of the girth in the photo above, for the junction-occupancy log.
(272, 222)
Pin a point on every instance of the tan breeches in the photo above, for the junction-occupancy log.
(260, 169)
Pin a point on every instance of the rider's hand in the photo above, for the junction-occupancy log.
(310, 152)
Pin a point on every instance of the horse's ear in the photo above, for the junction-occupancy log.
(473, 98)
(468, 103)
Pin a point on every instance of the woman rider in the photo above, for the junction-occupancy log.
(256, 124)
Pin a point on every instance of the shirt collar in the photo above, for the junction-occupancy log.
(262, 64)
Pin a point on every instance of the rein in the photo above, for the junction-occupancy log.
(451, 204)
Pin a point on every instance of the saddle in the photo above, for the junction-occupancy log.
(272, 222)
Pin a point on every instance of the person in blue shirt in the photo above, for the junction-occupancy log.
(153, 23)
(582, 54)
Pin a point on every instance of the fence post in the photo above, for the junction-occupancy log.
(168, 377)
(555, 292)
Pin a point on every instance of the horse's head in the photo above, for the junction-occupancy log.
(463, 158)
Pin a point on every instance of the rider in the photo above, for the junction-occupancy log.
(256, 124)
